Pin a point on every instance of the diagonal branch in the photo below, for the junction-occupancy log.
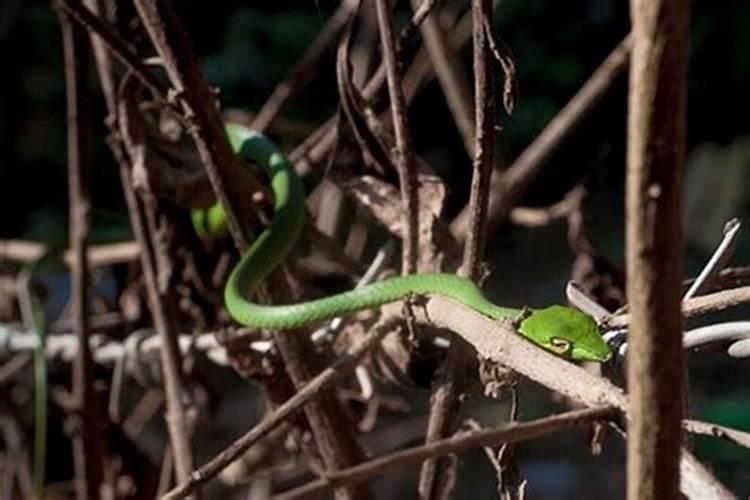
(325, 379)
(458, 443)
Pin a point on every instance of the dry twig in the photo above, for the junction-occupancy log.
(86, 429)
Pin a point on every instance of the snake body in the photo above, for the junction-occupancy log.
(577, 334)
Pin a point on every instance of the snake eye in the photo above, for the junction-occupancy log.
(560, 345)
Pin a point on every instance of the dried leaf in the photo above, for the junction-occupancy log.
(437, 246)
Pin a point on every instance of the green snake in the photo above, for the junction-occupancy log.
(559, 329)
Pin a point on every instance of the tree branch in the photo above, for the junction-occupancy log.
(407, 171)
(458, 443)
(86, 428)
(654, 209)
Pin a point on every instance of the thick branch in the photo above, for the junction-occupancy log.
(656, 149)
(498, 343)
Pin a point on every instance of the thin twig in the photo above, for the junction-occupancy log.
(86, 429)
(170, 356)
(544, 216)
(698, 306)
(718, 259)
(450, 74)
(17, 467)
(407, 171)
(519, 176)
(512, 433)
(16, 364)
(104, 10)
(322, 140)
(421, 69)
(24, 251)
(740, 438)
(117, 44)
(298, 75)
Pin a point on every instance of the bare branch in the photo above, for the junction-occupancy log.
(450, 74)
(708, 429)
(512, 433)
(96, 255)
(407, 170)
(656, 163)
(698, 306)
(86, 429)
(119, 47)
(170, 355)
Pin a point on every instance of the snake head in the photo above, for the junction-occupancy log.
(566, 332)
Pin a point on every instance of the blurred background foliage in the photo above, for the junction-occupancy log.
(247, 47)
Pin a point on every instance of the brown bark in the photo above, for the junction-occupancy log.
(656, 148)
(86, 433)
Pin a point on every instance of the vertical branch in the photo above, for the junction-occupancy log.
(170, 356)
(87, 437)
(656, 148)
(407, 171)
(484, 142)
(438, 476)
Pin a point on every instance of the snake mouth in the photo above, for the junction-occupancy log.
(598, 356)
